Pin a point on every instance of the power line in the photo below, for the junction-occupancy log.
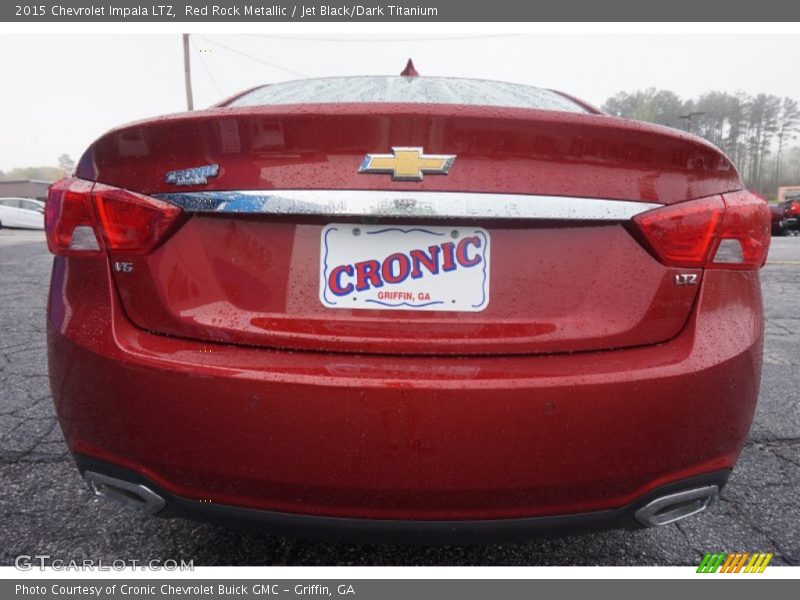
(300, 38)
(205, 66)
(251, 57)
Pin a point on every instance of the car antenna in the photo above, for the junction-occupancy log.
(409, 71)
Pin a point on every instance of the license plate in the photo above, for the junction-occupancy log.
(408, 267)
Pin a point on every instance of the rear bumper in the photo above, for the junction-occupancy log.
(403, 439)
(403, 531)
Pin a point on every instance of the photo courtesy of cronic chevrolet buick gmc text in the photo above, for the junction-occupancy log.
(410, 308)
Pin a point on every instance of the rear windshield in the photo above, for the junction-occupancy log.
(414, 90)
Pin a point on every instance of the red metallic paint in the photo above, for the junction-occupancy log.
(499, 150)
(254, 281)
(403, 437)
(550, 420)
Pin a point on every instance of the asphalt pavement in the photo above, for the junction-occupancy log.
(46, 509)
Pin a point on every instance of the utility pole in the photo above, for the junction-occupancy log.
(187, 72)
(688, 119)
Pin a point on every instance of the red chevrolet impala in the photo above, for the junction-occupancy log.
(436, 309)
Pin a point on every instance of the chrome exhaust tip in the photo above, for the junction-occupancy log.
(133, 496)
(674, 507)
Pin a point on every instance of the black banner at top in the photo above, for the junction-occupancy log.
(337, 11)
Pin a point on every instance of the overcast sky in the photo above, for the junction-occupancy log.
(60, 92)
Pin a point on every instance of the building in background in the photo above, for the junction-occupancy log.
(24, 188)
(788, 192)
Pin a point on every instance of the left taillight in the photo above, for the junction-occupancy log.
(84, 218)
(745, 234)
(731, 231)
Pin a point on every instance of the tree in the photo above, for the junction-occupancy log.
(38, 173)
(764, 113)
(66, 164)
(787, 131)
(734, 145)
(654, 106)
(713, 120)
(754, 131)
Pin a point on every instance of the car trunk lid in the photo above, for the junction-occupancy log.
(551, 194)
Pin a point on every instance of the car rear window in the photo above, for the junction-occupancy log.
(413, 90)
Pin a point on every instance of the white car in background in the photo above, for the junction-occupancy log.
(21, 212)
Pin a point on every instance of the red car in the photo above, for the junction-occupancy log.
(792, 215)
(785, 217)
(424, 308)
(778, 215)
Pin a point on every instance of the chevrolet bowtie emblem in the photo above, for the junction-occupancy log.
(407, 164)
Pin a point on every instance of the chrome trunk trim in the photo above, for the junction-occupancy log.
(422, 205)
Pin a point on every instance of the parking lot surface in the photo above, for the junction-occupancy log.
(46, 509)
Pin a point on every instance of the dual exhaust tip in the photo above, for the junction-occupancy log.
(133, 496)
(661, 511)
(674, 507)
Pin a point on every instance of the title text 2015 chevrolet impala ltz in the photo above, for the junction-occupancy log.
(406, 307)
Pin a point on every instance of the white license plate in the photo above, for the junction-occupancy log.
(408, 267)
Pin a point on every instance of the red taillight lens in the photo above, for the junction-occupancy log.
(681, 235)
(69, 220)
(730, 231)
(132, 223)
(745, 235)
(82, 217)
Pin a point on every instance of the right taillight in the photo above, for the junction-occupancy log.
(82, 218)
(730, 231)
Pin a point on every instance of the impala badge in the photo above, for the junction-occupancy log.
(193, 175)
(407, 164)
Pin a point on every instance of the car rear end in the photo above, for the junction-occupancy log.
(262, 312)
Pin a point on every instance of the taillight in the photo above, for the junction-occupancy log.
(745, 236)
(132, 223)
(730, 231)
(82, 218)
(69, 219)
(681, 235)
